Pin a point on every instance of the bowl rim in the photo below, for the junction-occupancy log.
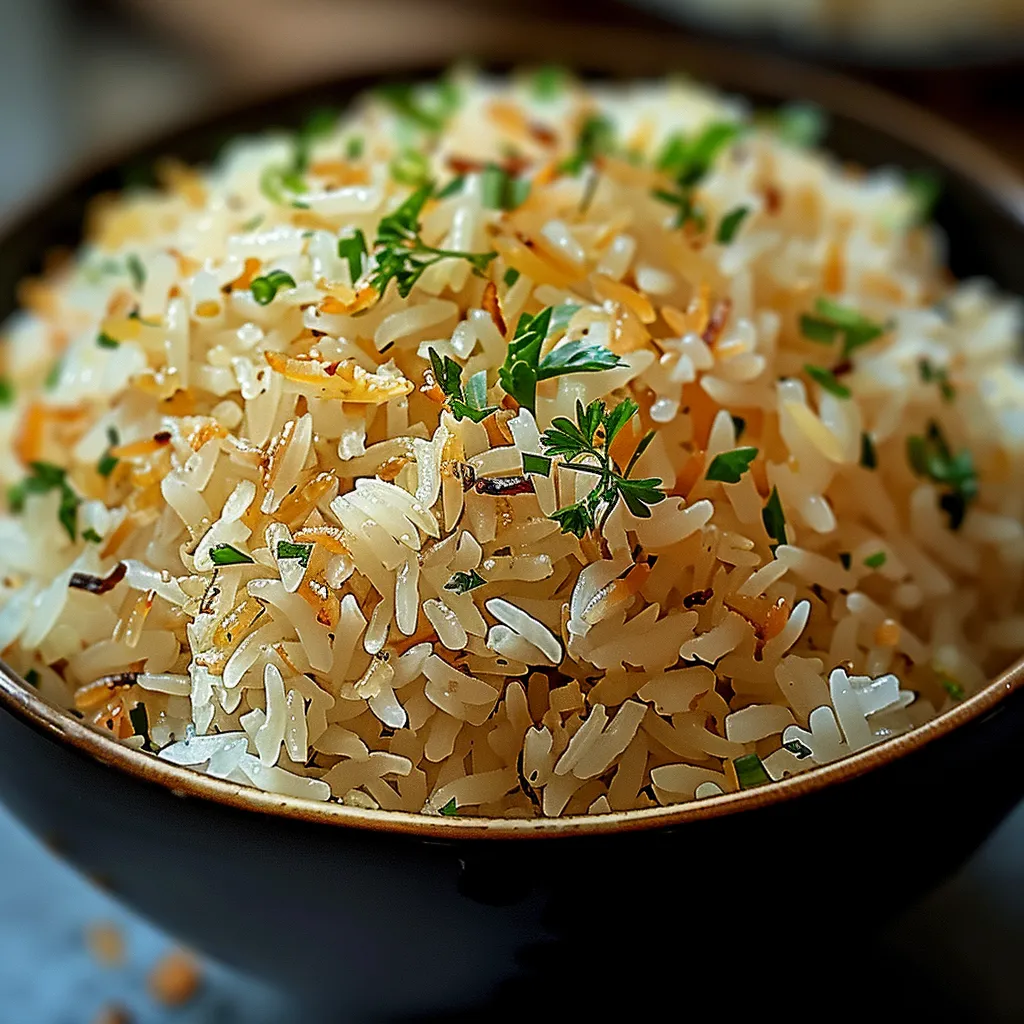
(947, 146)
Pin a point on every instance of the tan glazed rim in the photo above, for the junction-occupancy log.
(944, 144)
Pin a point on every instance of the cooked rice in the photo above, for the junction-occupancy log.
(655, 661)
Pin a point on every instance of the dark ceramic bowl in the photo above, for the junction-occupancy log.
(389, 914)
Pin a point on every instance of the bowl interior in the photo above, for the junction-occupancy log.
(981, 209)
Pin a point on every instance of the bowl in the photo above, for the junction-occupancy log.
(391, 914)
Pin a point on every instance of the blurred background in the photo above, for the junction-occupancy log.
(78, 78)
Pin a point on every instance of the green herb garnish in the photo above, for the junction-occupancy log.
(931, 374)
(32, 677)
(352, 249)
(930, 456)
(803, 125)
(6, 392)
(266, 287)
(750, 771)
(797, 747)
(596, 138)
(924, 187)
(834, 321)
(453, 188)
(730, 466)
(137, 271)
(226, 554)
(45, 477)
(827, 379)
(687, 210)
(450, 809)
(524, 367)
(410, 167)
(286, 549)
(536, 464)
(952, 687)
(868, 455)
(469, 402)
(319, 124)
(424, 108)
(53, 375)
(774, 519)
(875, 561)
(401, 253)
(730, 224)
(91, 536)
(511, 276)
(548, 83)
(104, 340)
(464, 582)
(689, 160)
(571, 441)
(501, 191)
(281, 185)
(354, 147)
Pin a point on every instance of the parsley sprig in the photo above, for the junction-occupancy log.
(524, 367)
(44, 477)
(688, 161)
(468, 402)
(930, 456)
(401, 254)
(590, 438)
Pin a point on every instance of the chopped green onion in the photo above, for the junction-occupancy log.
(424, 109)
(938, 375)
(450, 809)
(53, 375)
(354, 147)
(226, 554)
(730, 466)
(931, 457)
(137, 271)
(539, 464)
(463, 582)
(511, 276)
(689, 160)
(750, 771)
(352, 249)
(827, 379)
(44, 477)
(730, 224)
(6, 392)
(798, 747)
(410, 167)
(104, 340)
(253, 223)
(846, 559)
(286, 549)
(500, 190)
(875, 561)
(803, 125)
(774, 519)
(819, 331)
(91, 536)
(952, 687)
(596, 138)
(924, 187)
(266, 287)
(106, 464)
(453, 188)
(548, 83)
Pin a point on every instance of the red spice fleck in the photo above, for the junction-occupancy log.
(772, 199)
(504, 486)
(698, 598)
(716, 322)
(493, 306)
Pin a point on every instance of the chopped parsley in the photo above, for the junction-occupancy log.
(464, 582)
(774, 519)
(802, 125)
(540, 465)
(868, 455)
(137, 271)
(730, 224)
(44, 477)
(410, 167)
(453, 188)
(524, 367)
(104, 340)
(502, 191)
(286, 549)
(401, 253)
(730, 466)
(107, 460)
(689, 160)
(931, 457)
(797, 747)
(952, 687)
(573, 441)
(6, 392)
(875, 561)
(511, 276)
(450, 809)
(352, 249)
(354, 147)
(845, 559)
(469, 402)
(834, 321)
(91, 536)
(281, 185)
(931, 374)
(687, 210)
(226, 554)
(266, 287)
(425, 108)
(319, 124)
(548, 83)
(750, 771)
(596, 138)
(827, 379)
(924, 187)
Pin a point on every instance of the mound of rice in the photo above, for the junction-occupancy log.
(269, 514)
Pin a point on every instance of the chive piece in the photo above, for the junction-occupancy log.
(53, 376)
(253, 223)
(931, 374)
(730, 466)
(799, 748)
(317, 125)
(44, 477)
(106, 464)
(266, 287)
(137, 271)
(845, 559)
(819, 331)
(32, 677)
(226, 554)
(539, 464)
(354, 147)
(750, 771)
(802, 125)
(875, 561)
(352, 249)
(453, 188)
(6, 392)
(450, 809)
(774, 519)
(463, 582)
(689, 160)
(511, 276)
(91, 536)
(403, 99)
(868, 455)
(410, 168)
(930, 456)
(548, 83)
(952, 687)
(739, 424)
(104, 340)
(730, 224)
(596, 138)
(827, 379)
(856, 328)
(924, 187)
(286, 549)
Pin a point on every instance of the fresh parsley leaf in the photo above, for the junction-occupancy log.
(410, 167)
(590, 437)
(596, 138)
(352, 249)
(464, 582)
(44, 477)
(774, 519)
(576, 357)
(6, 392)
(730, 466)
(548, 83)
(834, 320)
(91, 536)
(827, 379)
(750, 771)
(511, 276)
(875, 561)
(538, 464)
(227, 554)
(924, 187)
(689, 160)
(937, 375)
(286, 549)
(930, 456)
(106, 464)
(450, 809)
(266, 287)
(318, 124)
(470, 403)
(868, 455)
(501, 191)
(730, 224)
(819, 331)
(802, 125)
(104, 340)
(137, 271)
